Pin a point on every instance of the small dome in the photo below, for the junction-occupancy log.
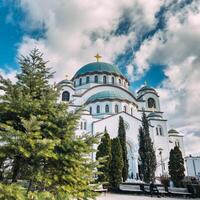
(154, 114)
(144, 88)
(173, 131)
(98, 67)
(66, 82)
(109, 95)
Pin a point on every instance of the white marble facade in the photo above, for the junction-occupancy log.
(104, 91)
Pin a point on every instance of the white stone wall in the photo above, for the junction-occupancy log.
(111, 105)
(192, 166)
(161, 141)
(84, 85)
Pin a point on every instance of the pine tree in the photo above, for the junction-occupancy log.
(38, 142)
(176, 166)
(122, 139)
(104, 151)
(146, 152)
(116, 164)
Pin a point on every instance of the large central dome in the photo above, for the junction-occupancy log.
(98, 67)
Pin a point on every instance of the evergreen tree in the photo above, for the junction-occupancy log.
(104, 151)
(116, 164)
(176, 166)
(38, 142)
(146, 152)
(122, 139)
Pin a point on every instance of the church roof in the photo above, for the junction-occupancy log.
(98, 67)
(146, 88)
(109, 95)
(154, 114)
(173, 131)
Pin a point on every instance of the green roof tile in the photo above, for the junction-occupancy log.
(98, 67)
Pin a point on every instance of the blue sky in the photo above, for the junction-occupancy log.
(149, 40)
(13, 29)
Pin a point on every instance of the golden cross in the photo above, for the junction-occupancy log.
(97, 57)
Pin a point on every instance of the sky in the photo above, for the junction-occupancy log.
(156, 41)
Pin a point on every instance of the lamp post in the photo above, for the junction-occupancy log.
(161, 160)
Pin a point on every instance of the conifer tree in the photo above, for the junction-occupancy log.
(38, 142)
(116, 164)
(176, 166)
(122, 139)
(146, 152)
(104, 151)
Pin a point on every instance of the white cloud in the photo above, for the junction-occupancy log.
(177, 47)
(9, 74)
(72, 26)
(77, 30)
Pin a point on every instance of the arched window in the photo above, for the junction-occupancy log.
(120, 81)
(131, 111)
(96, 79)
(104, 79)
(124, 83)
(116, 108)
(74, 83)
(65, 96)
(85, 125)
(151, 103)
(81, 125)
(125, 109)
(177, 143)
(87, 79)
(90, 110)
(113, 80)
(80, 81)
(98, 109)
(159, 130)
(107, 108)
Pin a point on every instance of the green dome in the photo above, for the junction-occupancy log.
(144, 88)
(171, 131)
(109, 95)
(98, 67)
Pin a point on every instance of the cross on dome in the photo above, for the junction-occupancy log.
(98, 57)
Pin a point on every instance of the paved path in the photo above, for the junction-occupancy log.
(134, 197)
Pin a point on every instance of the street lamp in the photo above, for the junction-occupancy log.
(161, 160)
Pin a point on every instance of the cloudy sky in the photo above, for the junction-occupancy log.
(157, 41)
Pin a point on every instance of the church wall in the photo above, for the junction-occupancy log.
(161, 141)
(69, 89)
(85, 85)
(111, 105)
(132, 130)
(84, 98)
(155, 97)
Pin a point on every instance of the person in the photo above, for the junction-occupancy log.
(153, 189)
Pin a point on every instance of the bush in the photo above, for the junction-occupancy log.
(12, 192)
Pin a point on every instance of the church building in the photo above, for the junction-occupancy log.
(104, 92)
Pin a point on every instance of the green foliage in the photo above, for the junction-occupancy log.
(12, 192)
(116, 164)
(37, 133)
(104, 151)
(176, 166)
(122, 139)
(146, 152)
